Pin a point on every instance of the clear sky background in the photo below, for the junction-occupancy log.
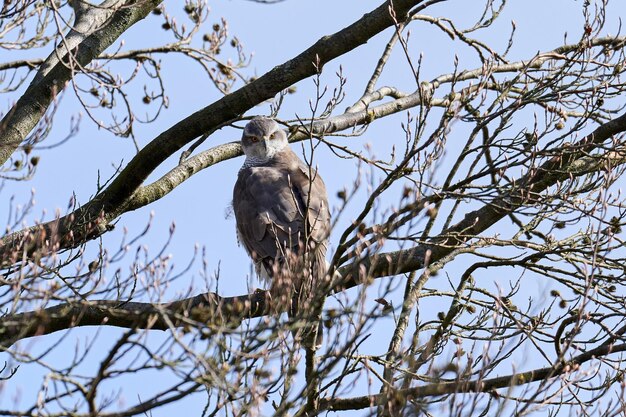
(274, 34)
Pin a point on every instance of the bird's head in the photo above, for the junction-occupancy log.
(262, 139)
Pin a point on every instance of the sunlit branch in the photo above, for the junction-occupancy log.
(105, 26)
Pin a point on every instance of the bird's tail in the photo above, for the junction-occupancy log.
(308, 300)
(300, 281)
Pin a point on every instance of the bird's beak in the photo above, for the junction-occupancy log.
(266, 141)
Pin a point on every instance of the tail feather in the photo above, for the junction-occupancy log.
(300, 282)
(308, 299)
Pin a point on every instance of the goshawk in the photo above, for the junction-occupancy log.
(283, 220)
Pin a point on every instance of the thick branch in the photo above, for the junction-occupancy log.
(359, 114)
(95, 31)
(203, 308)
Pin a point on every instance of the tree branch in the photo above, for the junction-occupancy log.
(95, 31)
(481, 386)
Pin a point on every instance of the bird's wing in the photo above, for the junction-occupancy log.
(310, 186)
(269, 204)
(265, 212)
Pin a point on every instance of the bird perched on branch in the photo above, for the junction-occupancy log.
(283, 221)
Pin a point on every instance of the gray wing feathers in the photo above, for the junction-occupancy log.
(270, 202)
(283, 221)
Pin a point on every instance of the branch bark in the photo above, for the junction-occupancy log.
(93, 32)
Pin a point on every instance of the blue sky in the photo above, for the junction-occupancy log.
(274, 33)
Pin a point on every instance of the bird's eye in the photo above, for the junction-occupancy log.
(253, 139)
(273, 136)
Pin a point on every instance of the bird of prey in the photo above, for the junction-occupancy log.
(283, 220)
